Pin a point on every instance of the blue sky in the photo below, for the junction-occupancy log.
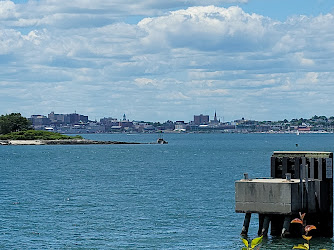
(154, 61)
(282, 9)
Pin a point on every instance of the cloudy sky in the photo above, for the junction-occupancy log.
(158, 60)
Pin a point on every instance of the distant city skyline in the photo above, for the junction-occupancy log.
(197, 119)
(210, 117)
(159, 60)
(79, 124)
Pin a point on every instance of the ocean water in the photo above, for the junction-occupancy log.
(174, 196)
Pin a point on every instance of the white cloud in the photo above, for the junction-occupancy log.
(141, 82)
(210, 92)
(63, 13)
(208, 28)
(10, 41)
(173, 96)
(302, 60)
(7, 10)
(201, 57)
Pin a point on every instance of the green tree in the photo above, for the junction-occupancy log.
(323, 118)
(13, 122)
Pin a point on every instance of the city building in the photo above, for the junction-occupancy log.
(110, 124)
(201, 119)
(39, 121)
(180, 126)
(125, 124)
(215, 119)
(67, 119)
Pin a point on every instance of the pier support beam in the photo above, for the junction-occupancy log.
(276, 224)
(286, 226)
(261, 219)
(265, 228)
(245, 227)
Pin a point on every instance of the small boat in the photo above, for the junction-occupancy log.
(161, 141)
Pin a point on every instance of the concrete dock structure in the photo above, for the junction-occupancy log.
(300, 182)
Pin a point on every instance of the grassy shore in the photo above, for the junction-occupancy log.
(37, 135)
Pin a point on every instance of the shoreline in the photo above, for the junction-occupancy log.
(64, 142)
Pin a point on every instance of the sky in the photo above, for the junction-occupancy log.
(168, 60)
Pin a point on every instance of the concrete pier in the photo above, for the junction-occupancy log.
(299, 182)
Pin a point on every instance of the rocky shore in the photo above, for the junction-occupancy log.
(62, 142)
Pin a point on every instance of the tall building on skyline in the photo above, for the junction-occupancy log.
(201, 119)
(215, 119)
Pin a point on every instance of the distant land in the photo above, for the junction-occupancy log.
(41, 137)
(80, 124)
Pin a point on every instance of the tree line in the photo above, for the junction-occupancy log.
(14, 122)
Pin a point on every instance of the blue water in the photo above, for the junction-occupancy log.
(175, 196)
